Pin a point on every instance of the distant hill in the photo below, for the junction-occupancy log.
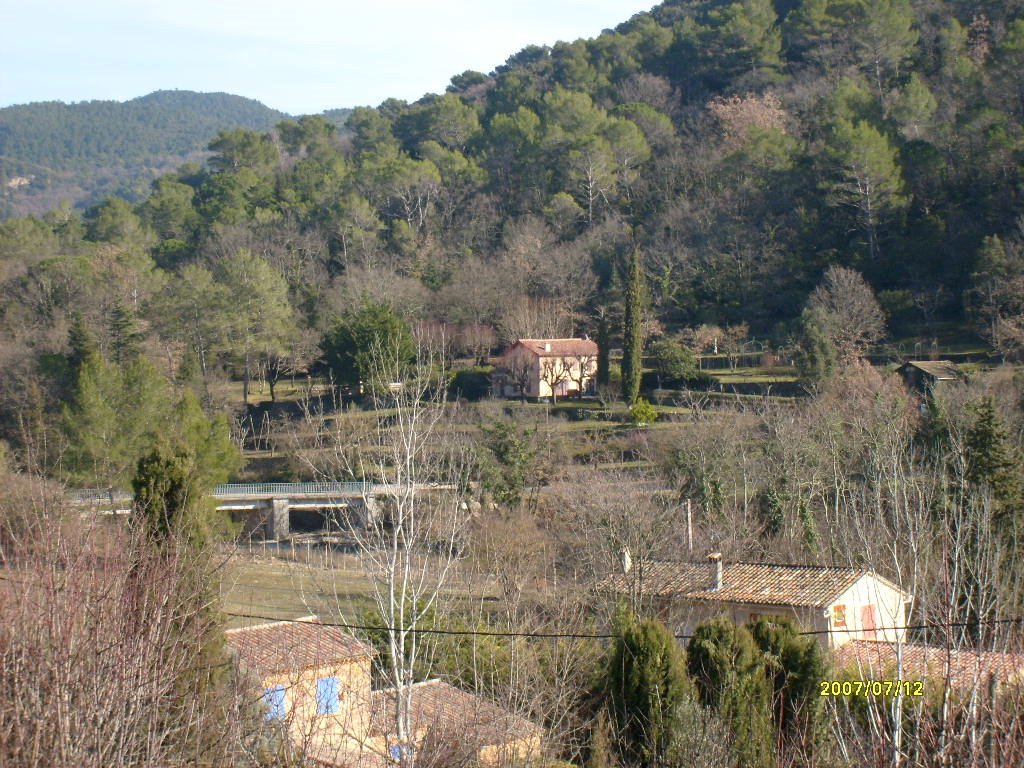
(52, 151)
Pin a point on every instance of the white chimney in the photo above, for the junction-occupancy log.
(547, 346)
(627, 561)
(715, 567)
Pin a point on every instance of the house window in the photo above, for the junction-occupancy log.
(273, 699)
(838, 616)
(398, 751)
(327, 700)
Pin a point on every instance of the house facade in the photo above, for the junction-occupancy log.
(316, 683)
(841, 604)
(547, 368)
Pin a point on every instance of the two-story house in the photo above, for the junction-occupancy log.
(547, 368)
(316, 680)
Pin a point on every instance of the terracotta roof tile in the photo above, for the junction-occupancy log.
(967, 667)
(761, 583)
(292, 645)
(447, 709)
(559, 347)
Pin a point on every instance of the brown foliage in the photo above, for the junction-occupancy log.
(99, 653)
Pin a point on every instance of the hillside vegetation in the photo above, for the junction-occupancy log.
(111, 146)
(746, 151)
(782, 200)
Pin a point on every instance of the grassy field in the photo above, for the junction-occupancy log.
(284, 589)
(256, 588)
(774, 375)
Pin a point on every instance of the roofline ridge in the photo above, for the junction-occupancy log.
(805, 565)
(726, 562)
(310, 619)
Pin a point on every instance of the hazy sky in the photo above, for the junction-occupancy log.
(299, 56)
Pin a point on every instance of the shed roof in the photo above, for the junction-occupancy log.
(967, 666)
(558, 347)
(942, 370)
(758, 583)
(284, 646)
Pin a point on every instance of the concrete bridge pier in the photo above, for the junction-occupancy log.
(277, 519)
(364, 511)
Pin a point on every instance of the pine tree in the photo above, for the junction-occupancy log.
(125, 336)
(632, 335)
(992, 461)
(81, 343)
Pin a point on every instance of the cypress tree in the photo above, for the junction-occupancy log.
(794, 666)
(632, 335)
(603, 373)
(169, 492)
(728, 669)
(818, 358)
(647, 685)
(165, 491)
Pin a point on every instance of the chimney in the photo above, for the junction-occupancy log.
(715, 568)
(627, 561)
(547, 346)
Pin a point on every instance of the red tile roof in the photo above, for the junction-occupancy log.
(876, 659)
(760, 583)
(558, 347)
(447, 709)
(285, 646)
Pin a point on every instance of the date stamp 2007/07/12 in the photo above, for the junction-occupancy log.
(867, 688)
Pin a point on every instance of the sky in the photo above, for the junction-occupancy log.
(298, 56)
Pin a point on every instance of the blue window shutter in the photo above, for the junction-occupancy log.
(327, 702)
(273, 698)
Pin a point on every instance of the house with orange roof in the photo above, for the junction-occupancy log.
(840, 604)
(316, 682)
(967, 668)
(547, 368)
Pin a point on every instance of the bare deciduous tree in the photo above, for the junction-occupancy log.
(410, 539)
(855, 319)
(98, 638)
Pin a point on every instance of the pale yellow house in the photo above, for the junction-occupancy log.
(316, 682)
(547, 368)
(841, 604)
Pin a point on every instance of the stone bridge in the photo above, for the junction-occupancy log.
(270, 508)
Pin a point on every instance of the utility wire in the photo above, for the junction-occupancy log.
(574, 635)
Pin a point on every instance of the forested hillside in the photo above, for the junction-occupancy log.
(97, 147)
(740, 148)
(805, 194)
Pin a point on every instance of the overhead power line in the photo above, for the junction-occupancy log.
(577, 635)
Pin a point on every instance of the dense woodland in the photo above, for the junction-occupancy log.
(811, 180)
(81, 152)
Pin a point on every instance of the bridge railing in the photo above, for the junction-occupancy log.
(291, 489)
(233, 490)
